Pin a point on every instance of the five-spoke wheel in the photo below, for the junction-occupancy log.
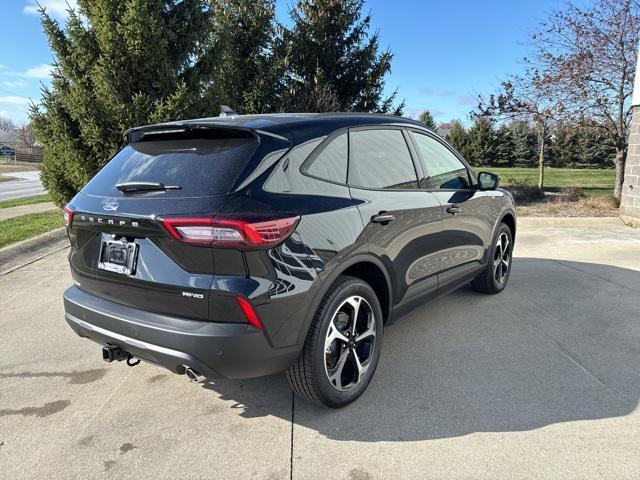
(494, 277)
(349, 343)
(501, 258)
(343, 346)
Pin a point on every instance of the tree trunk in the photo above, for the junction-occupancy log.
(541, 157)
(621, 157)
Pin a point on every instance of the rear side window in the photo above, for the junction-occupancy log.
(331, 163)
(200, 166)
(443, 169)
(380, 159)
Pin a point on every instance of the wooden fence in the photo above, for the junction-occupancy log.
(24, 154)
(29, 154)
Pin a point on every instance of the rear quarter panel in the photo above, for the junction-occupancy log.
(286, 279)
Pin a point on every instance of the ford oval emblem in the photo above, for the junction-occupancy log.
(110, 205)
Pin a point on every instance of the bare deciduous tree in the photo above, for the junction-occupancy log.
(588, 56)
(526, 97)
(7, 125)
(26, 135)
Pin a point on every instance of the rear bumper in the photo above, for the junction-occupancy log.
(229, 350)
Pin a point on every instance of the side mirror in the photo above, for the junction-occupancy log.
(488, 181)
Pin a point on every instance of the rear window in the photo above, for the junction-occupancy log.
(331, 163)
(206, 165)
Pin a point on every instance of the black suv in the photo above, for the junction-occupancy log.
(243, 246)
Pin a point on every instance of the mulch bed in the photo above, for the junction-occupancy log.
(559, 206)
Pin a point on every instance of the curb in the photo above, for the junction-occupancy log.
(630, 221)
(22, 253)
(571, 222)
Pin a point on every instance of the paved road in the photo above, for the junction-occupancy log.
(27, 185)
(541, 381)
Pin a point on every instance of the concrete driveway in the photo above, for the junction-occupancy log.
(28, 184)
(541, 381)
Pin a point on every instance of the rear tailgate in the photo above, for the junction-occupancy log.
(168, 277)
(121, 252)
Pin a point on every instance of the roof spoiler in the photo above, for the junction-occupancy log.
(138, 133)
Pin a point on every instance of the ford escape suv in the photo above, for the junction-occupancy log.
(248, 245)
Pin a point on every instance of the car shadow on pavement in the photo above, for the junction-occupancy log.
(560, 344)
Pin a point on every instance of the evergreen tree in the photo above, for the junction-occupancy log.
(426, 118)
(459, 138)
(482, 143)
(332, 61)
(238, 67)
(596, 148)
(117, 64)
(564, 146)
(504, 147)
(525, 145)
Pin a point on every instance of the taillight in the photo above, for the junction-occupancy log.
(68, 216)
(249, 312)
(231, 233)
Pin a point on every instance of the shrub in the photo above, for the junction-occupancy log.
(523, 190)
(572, 194)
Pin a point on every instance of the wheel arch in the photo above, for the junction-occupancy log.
(368, 268)
(509, 219)
(377, 277)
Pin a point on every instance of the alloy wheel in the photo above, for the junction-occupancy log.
(501, 259)
(350, 343)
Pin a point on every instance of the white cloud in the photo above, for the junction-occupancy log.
(14, 100)
(14, 84)
(40, 71)
(436, 92)
(57, 8)
(17, 115)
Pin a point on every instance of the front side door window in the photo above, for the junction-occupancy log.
(443, 170)
(380, 160)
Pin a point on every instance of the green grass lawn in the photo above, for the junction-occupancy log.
(592, 181)
(28, 226)
(25, 201)
(8, 167)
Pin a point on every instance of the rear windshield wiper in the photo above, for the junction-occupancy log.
(128, 187)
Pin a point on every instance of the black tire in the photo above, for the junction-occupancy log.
(487, 281)
(309, 376)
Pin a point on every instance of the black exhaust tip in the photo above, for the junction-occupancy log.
(113, 353)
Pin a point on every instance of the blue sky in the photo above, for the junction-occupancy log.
(444, 51)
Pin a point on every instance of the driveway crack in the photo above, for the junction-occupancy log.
(293, 404)
(596, 276)
(553, 342)
(88, 423)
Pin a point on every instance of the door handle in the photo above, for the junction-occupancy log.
(383, 218)
(453, 209)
